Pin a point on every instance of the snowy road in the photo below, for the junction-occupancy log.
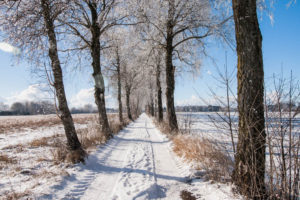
(135, 164)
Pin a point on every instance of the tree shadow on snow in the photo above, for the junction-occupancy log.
(95, 165)
(153, 192)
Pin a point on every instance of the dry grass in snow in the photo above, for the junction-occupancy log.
(10, 124)
(33, 153)
(205, 155)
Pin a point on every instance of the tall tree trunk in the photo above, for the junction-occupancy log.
(159, 92)
(128, 103)
(170, 70)
(152, 106)
(97, 74)
(170, 81)
(151, 99)
(66, 118)
(250, 156)
(137, 105)
(119, 90)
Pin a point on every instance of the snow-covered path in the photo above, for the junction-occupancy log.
(135, 164)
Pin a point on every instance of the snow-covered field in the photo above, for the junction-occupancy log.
(280, 143)
(210, 126)
(27, 147)
(138, 163)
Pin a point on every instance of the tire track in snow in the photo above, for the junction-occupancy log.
(136, 164)
(140, 174)
(158, 190)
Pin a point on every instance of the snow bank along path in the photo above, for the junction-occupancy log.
(136, 164)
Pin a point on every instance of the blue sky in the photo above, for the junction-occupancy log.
(281, 50)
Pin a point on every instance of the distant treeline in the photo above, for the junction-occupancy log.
(42, 108)
(208, 108)
(29, 108)
(46, 107)
(88, 108)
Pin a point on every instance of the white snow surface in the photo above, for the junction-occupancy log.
(138, 163)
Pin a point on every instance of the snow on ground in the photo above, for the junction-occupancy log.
(27, 152)
(209, 125)
(136, 164)
(29, 135)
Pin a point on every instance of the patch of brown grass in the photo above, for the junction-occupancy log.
(114, 123)
(186, 195)
(52, 141)
(116, 126)
(44, 173)
(18, 147)
(62, 154)
(16, 195)
(19, 123)
(91, 136)
(29, 122)
(39, 142)
(18, 169)
(6, 159)
(59, 153)
(207, 155)
(165, 129)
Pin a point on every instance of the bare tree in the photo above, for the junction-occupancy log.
(282, 139)
(227, 102)
(115, 59)
(89, 20)
(158, 88)
(181, 25)
(32, 25)
(130, 83)
(155, 61)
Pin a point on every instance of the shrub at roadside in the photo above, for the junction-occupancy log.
(205, 155)
(90, 137)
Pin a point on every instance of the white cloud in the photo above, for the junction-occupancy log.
(86, 96)
(83, 97)
(39, 92)
(36, 92)
(9, 48)
(193, 100)
(2, 100)
(196, 101)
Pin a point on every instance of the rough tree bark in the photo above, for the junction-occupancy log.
(128, 103)
(250, 156)
(151, 103)
(119, 89)
(66, 118)
(152, 106)
(170, 70)
(170, 81)
(97, 74)
(159, 92)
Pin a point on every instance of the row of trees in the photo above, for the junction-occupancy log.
(43, 108)
(32, 108)
(139, 44)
